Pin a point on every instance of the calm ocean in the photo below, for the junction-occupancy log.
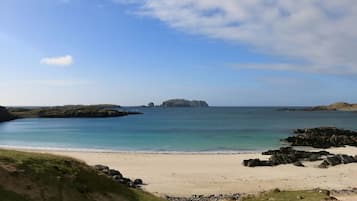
(215, 129)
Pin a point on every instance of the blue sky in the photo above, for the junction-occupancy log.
(131, 52)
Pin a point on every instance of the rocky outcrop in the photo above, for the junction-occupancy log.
(323, 137)
(287, 155)
(337, 160)
(116, 176)
(69, 111)
(5, 115)
(184, 103)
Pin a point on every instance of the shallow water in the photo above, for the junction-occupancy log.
(215, 129)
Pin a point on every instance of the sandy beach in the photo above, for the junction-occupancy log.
(182, 174)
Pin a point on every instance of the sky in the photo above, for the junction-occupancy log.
(132, 52)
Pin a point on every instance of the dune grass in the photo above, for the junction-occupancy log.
(33, 176)
(276, 195)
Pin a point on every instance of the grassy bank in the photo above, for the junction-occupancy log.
(42, 177)
(276, 195)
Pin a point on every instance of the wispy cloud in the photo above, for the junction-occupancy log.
(57, 61)
(319, 33)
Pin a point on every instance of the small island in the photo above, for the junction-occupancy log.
(67, 111)
(184, 103)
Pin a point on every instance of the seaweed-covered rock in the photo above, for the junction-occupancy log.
(286, 155)
(256, 162)
(116, 176)
(323, 137)
(337, 160)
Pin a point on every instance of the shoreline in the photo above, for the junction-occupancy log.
(186, 174)
(94, 150)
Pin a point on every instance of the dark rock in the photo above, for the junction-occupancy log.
(256, 162)
(138, 182)
(299, 164)
(337, 160)
(323, 137)
(124, 181)
(101, 167)
(286, 155)
(117, 177)
(113, 172)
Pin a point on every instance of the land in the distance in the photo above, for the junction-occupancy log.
(339, 106)
(179, 102)
(67, 111)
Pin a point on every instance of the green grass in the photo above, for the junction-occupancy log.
(10, 196)
(289, 196)
(34, 176)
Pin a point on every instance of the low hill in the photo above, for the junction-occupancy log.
(42, 177)
(68, 111)
(184, 103)
(339, 106)
(5, 115)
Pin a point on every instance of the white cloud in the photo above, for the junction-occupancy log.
(57, 61)
(321, 34)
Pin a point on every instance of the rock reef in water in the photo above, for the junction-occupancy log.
(184, 103)
(5, 115)
(323, 137)
(70, 111)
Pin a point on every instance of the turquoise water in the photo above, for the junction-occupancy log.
(171, 129)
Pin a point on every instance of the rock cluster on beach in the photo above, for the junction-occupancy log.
(219, 197)
(337, 159)
(287, 155)
(116, 176)
(323, 137)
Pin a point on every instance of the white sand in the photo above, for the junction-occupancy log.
(187, 174)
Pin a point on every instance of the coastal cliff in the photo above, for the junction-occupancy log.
(184, 103)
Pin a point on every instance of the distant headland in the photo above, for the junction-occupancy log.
(338, 106)
(67, 111)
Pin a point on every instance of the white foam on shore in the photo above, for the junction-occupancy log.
(93, 150)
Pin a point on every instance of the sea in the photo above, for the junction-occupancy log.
(213, 129)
